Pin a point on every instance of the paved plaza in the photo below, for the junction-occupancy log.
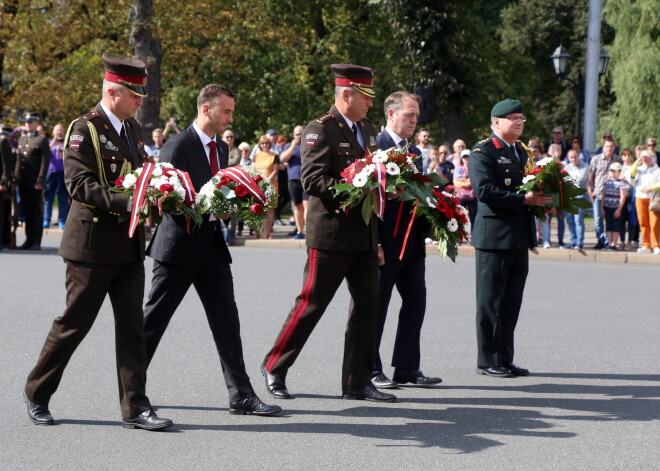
(589, 332)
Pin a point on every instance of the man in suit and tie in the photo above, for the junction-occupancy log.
(100, 257)
(339, 244)
(406, 272)
(503, 233)
(201, 257)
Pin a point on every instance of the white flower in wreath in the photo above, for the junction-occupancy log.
(380, 157)
(392, 169)
(180, 191)
(452, 225)
(369, 169)
(157, 171)
(544, 162)
(569, 179)
(528, 179)
(360, 180)
(165, 165)
(129, 181)
(430, 202)
(448, 195)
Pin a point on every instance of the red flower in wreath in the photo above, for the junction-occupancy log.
(241, 191)
(166, 188)
(257, 208)
(119, 182)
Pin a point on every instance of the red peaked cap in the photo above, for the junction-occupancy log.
(356, 76)
(131, 73)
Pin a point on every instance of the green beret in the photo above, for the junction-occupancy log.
(506, 107)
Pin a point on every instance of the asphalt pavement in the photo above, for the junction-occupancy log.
(588, 332)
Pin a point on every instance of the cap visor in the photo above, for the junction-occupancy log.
(366, 89)
(139, 91)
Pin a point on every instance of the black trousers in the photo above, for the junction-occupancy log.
(33, 210)
(501, 277)
(324, 272)
(408, 276)
(86, 287)
(215, 286)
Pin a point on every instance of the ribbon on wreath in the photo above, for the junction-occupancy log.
(381, 177)
(240, 176)
(141, 186)
(408, 229)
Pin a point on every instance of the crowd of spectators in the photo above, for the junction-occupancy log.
(620, 185)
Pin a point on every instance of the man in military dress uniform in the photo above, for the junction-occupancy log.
(31, 168)
(6, 173)
(340, 245)
(100, 258)
(502, 234)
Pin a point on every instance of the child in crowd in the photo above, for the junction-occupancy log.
(615, 190)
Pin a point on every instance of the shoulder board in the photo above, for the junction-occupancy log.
(324, 118)
(89, 116)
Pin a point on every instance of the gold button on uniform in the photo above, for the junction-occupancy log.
(95, 219)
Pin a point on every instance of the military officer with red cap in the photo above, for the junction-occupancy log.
(100, 257)
(339, 244)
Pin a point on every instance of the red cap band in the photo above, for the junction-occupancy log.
(345, 82)
(132, 80)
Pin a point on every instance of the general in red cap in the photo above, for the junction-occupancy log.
(356, 76)
(131, 73)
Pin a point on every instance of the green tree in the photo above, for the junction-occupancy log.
(634, 70)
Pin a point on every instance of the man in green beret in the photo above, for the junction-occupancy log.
(503, 232)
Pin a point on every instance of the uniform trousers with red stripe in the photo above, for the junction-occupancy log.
(87, 285)
(324, 272)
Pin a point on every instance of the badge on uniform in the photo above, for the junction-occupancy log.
(503, 160)
(344, 144)
(103, 139)
(110, 146)
(507, 181)
(312, 136)
(372, 141)
(113, 167)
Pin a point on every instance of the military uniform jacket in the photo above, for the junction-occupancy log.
(93, 232)
(6, 161)
(328, 146)
(33, 160)
(503, 222)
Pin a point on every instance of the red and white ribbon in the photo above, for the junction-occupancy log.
(381, 178)
(141, 186)
(186, 183)
(242, 177)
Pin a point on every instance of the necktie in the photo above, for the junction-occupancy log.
(213, 158)
(123, 135)
(403, 143)
(354, 129)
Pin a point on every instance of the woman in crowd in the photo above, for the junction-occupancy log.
(459, 146)
(245, 150)
(576, 143)
(629, 214)
(464, 190)
(615, 190)
(645, 177)
(267, 163)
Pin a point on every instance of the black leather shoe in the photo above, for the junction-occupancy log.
(383, 382)
(38, 414)
(369, 393)
(148, 420)
(497, 371)
(34, 248)
(517, 370)
(415, 377)
(275, 385)
(252, 405)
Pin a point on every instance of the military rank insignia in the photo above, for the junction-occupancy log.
(75, 140)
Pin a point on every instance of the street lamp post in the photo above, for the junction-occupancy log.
(560, 61)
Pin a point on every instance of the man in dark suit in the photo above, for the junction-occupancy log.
(340, 245)
(6, 176)
(100, 257)
(406, 272)
(30, 173)
(502, 234)
(201, 258)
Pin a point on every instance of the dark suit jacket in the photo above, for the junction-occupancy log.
(392, 245)
(503, 222)
(33, 160)
(171, 242)
(327, 148)
(93, 233)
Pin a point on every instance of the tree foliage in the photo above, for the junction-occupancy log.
(634, 70)
(276, 54)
